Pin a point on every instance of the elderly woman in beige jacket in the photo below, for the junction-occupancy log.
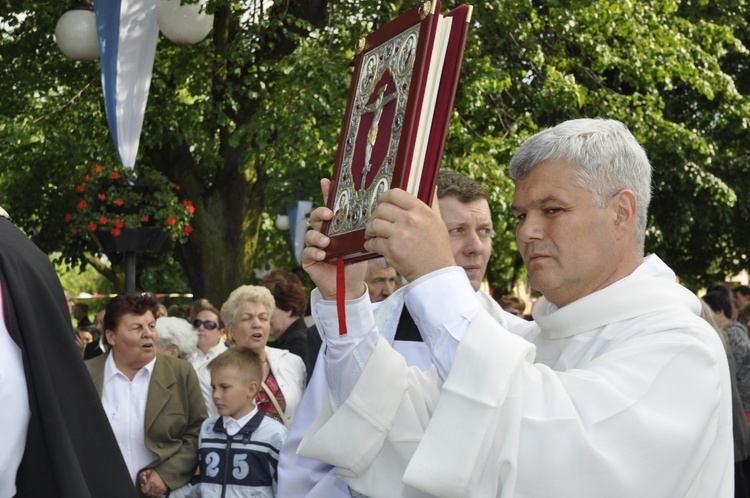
(153, 402)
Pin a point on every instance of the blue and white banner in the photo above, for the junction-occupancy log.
(298, 226)
(128, 33)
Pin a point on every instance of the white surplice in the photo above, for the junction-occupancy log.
(624, 392)
(301, 477)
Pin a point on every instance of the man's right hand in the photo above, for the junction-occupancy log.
(314, 255)
(410, 234)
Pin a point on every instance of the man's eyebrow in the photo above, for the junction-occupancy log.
(537, 202)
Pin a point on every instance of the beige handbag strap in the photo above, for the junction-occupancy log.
(275, 402)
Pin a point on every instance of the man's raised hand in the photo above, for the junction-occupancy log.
(410, 234)
(313, 256)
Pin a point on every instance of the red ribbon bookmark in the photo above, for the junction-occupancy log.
(341, 295)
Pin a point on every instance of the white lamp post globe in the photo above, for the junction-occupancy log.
(76, 35)
(282, 222)
(184, 24)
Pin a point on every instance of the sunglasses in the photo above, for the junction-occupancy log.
(207, 324)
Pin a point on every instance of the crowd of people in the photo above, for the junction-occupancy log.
(160, 406)
(617, 382)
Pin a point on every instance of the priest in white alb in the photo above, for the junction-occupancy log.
(618, 387)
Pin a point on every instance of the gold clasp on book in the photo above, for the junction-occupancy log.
(360, 45)
(424, 9)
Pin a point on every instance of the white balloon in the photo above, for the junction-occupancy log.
(76, 35)
(184, 24)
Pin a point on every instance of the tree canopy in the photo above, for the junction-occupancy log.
(247, 121)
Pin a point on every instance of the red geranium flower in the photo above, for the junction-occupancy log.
(112, 199)
(189, 206)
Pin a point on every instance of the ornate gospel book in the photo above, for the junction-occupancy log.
(396, 121)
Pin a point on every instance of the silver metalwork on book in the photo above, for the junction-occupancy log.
(384, 80)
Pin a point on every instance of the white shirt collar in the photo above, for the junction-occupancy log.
(214, 351)
(651, 287)
(233, 426)
(110, 368)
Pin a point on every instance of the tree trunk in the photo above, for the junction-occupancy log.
(220, 253)
(219, 256)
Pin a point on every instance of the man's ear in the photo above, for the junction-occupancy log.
(626, 208)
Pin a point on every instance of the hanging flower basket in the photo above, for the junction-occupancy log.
(123, 212)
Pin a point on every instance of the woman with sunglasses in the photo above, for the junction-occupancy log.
(210, 330)
(247, 313)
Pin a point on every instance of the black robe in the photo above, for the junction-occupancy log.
(70, 450)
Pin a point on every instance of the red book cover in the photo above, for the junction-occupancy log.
(385, 124)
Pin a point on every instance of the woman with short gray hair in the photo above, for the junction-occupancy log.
(176, 337)
(247, 315)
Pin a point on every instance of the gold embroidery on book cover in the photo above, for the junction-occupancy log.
(374, 130)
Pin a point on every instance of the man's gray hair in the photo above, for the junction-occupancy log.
(378, 263)
(606, 158)
(177, 331)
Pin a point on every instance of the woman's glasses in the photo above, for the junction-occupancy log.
(207, 324)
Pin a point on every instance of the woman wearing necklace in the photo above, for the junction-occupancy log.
(247, 315)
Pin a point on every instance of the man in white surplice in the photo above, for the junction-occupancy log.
(618, 388)
(465, 210)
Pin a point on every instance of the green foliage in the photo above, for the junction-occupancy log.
(659, 67)
(247, 121)
(78, 281)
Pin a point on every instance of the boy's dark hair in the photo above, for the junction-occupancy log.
(245, 360)
(742, 289)
(718, 300)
